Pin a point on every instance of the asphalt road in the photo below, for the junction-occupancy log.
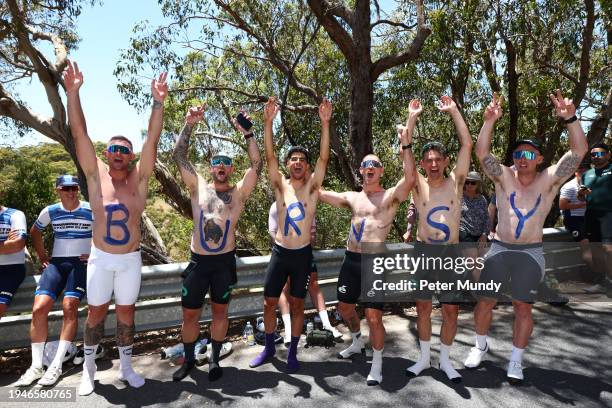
(568, 363)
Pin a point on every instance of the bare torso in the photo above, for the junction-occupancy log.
(296, 209)
(117, 206)
(439, 210)
(215, 216)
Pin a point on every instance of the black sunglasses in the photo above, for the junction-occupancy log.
(69, 188)
(471, 183)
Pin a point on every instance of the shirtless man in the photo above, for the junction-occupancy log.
(296, 200)
(216, 207)
(437, 198)
(524, 197)
(373, 210)
(65, 271)
(117, 197)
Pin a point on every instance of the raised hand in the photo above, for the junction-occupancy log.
(159, 87)
(447, 105)
(237, 125)
(271, 109)
(564, 107)
(195, 114)
(73, 78)
(493, 111)
(325, 110)
(415, 108)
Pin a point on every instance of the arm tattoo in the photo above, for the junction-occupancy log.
(181, 149)
(492, 166)
(157, 104)
(256, 164)
(125, 334)
(93, 335)
(567, 165)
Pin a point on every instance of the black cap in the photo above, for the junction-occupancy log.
(529, 142)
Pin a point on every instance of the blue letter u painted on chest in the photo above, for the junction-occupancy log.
(522, 218)
(438, 225)
(211, 231)
(119, 223)
(289, 220)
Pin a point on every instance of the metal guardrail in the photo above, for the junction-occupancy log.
(159, 304)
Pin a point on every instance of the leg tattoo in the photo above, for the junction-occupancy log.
(93, 335)
(125, 334)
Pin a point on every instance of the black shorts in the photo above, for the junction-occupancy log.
(11, 276)
(69, 273)
(516, 266)
(436, 257)
(576, 227)
(598, 225)
(348, 287)
(288, 263)
(217, 272)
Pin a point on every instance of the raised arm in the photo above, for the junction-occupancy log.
(249, 180)
(181, 148)
(271, 109)
(146, 164)
(462, 166)
(567, 165)
(490, 164)
(334, 199)
(325, 113)
(86, 154)
(406, 183)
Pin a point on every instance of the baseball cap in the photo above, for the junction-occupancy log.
(529, 142)
(474, 176)
(66, 180)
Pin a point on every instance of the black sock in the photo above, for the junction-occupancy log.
(189, 351)
(216, 349)
(214, 371)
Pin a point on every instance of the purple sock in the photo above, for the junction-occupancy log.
(293, 364)
(267, 353)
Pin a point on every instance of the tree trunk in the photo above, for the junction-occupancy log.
(360, 117)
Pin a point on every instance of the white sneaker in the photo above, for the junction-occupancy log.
(515, 372)
(51, 376)
(28, 378)
(337, 335)
(357, 347)
(474, 359)
(597, 288)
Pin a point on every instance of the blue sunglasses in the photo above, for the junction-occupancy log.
(219, 160)
(119, 148)
(370, 163)
(598, 154)
(519, 154)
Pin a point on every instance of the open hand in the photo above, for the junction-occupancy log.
(159, 87)
(271, 109)
(493, 111)
(564, 107)
(325, 110)
(73, 77)
(447, 104)
(195, 114)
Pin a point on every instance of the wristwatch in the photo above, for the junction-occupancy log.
(570, 120)
(408, 146)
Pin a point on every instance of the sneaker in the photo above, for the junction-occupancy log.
(474, 359)
(80, 355)
(51, 376)
(597, 288)
(28, 378)
(335, 332)
(260, 324)
(515, 373)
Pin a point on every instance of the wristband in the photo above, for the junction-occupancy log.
(570, 120)
(408, 146)
(248, 135)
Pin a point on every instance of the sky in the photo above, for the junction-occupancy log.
(104, 31)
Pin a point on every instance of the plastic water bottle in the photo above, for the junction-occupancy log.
(248, 334)
(309, 328)
(172, 352)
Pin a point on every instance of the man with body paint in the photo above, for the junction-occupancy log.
(524, 197)
(373, 210)
(216, 207)
(296, 201)
(437, 199)
(117, 196)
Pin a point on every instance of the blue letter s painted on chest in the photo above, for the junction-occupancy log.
(438, 225)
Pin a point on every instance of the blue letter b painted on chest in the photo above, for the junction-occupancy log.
(289, 220)
(111, 209)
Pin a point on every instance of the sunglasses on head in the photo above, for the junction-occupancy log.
(69, 188)
(598, 154)
(370, 163)
(519, 154)
(221, 160)
(119, 148)
(471, 183)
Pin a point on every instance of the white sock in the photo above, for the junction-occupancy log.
(445, 363)
(58, 360)
(287, 324)
(126, 372)
(38, 350)
(481, 341)
(517, 354)
(424, 360)
(324, 319)
(376, 370)
(89, 370)
(355, 346)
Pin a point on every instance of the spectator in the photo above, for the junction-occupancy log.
(474, 223)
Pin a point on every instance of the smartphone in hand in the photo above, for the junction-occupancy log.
(243, 121)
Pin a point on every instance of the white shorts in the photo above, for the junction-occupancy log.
(108, 273)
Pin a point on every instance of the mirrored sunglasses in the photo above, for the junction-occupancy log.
(370, 163)
(217, 161)
(119, 148)
(598, 154)
(519, 154)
